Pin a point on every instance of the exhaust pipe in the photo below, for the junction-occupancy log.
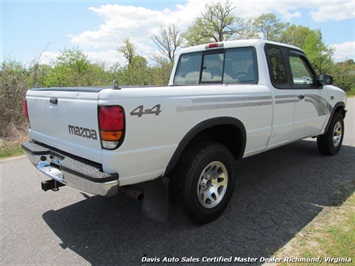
(132, 192)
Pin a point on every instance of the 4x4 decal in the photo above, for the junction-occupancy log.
(140, 111)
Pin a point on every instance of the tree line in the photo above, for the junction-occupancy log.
(217, 22)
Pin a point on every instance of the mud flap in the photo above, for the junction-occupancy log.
(156, 201)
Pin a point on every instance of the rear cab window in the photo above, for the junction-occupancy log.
(228, 66)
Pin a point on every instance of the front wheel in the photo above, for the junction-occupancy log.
(203, 181)
(330, 142)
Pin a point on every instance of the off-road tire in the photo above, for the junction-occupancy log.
(330, 142)
(203, 181)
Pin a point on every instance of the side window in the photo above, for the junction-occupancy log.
(240, 66)
(277, 67)
(188, 69)
(301, 73)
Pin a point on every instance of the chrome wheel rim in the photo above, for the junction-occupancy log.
(337, 134)
(212, 184)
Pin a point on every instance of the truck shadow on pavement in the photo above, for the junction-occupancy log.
(277, 193)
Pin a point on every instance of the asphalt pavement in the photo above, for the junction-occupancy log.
(277, 193)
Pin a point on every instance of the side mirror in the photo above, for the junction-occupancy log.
(325, 79)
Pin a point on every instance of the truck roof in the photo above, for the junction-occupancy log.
(233, 44)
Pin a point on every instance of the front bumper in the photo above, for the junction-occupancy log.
(71, 170)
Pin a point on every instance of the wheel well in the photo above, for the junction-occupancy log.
(227, 131)
(227, 135)
(340, 108)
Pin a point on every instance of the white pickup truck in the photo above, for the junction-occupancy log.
(225, 101)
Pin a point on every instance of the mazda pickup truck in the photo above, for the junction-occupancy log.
(225, 101)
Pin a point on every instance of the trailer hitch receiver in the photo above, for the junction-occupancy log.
(51, 185)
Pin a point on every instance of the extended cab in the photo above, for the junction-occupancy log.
(225, 101)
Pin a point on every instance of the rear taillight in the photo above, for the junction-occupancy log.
(25, 110)
(112, 126)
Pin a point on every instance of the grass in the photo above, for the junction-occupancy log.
(350, 93)
(330, 235)
(10, 148)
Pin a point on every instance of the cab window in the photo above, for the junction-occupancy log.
(302, 75)
(212, 68)
(188, 69)
(230, 66)
(277, 67)
(289, 68)
(240, 66)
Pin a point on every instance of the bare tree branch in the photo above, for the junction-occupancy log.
(168, 41)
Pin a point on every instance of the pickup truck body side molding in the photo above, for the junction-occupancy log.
(237, 144)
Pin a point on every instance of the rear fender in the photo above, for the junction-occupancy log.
(236, 144)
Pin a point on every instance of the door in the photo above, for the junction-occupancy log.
(284, 97)
(311, 108)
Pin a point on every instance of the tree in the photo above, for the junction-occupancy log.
(72, 68)
(42, 74)
(13, 85)
(196, 35)
(344, 75)
(75, 59)
(310, 41)
(295, 35)
(218, 21)
(128, 50)
(318, 53)
(244, 29)
(69, 69)
(216, 24)
(168, 41)
(270, 27)
(160, 74)
(138, 71)
(135, 73)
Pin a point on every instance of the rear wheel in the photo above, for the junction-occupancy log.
(203, 181)
(330, 142)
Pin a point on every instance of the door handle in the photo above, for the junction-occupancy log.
(301, 97)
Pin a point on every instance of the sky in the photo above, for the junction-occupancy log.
(38, 30)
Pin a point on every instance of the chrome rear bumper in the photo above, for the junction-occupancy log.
(71, 170)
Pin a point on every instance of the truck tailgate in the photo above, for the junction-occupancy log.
(66, 119)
